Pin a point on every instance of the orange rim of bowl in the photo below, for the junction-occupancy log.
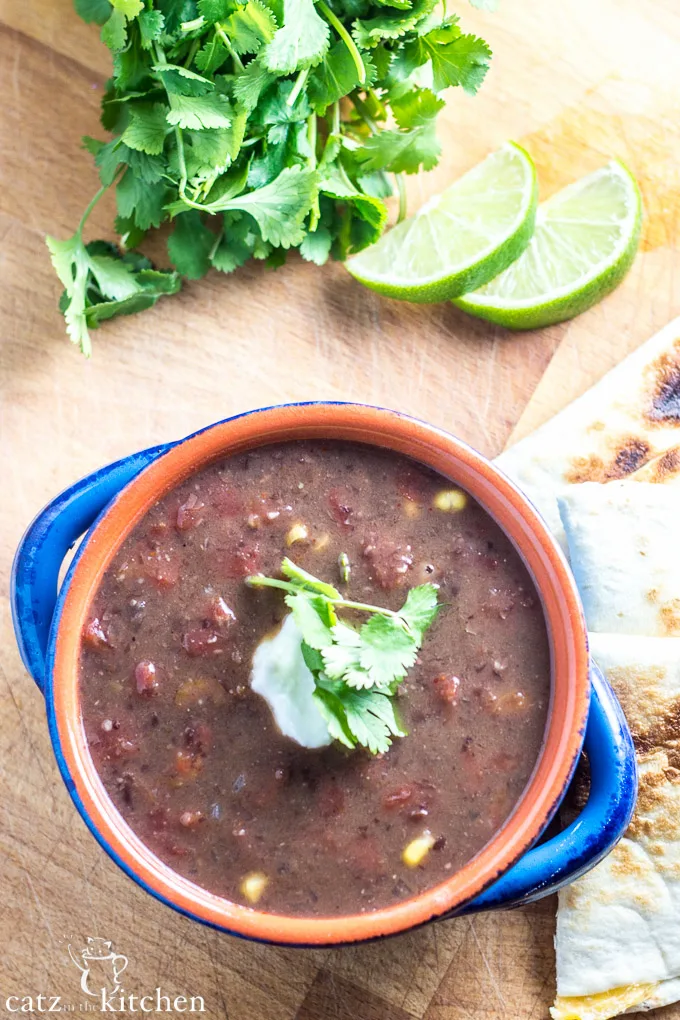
(521, 522)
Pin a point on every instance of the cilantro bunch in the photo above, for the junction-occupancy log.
(256, 127)
(356, 670)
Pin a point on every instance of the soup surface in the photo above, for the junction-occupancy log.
(192, 757)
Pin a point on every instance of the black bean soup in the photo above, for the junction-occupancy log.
(192, 757)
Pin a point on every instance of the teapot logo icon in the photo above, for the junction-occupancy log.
(100, 966)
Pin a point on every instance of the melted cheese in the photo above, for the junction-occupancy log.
(600, 1006)
(280, 675)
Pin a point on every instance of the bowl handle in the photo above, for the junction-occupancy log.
(35, 571)
(599, 826)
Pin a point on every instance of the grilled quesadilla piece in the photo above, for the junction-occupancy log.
(645, 673)
(625, 556)
(629, 417)
(618, 927)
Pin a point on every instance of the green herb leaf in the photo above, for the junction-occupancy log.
(147, 129)
(114, 31)
(316, 246)
(151, 24)
(301, 41)
(98, 11)
(356, 671)
(278, 208)
(197, 112)
(456, 59)
(190, 245)
(250, 27)
(129, 8)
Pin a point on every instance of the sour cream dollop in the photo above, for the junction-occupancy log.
(280, 675)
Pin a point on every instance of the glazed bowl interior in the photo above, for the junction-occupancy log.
(453, 459)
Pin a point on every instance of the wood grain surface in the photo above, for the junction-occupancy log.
(573, 80)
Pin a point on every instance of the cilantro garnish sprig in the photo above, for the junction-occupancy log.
(356, 670)
(227, 120)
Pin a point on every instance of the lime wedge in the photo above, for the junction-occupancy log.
(459, 239)
(585, 241)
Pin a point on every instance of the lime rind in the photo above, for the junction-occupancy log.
(474, 222)
(573, 228)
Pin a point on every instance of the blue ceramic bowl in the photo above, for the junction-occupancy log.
(515, 868)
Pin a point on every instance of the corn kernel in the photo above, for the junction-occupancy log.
(253, 885)
(320, 543)
(412, 509)
(298, 533)
(450, 500)
(416, 851)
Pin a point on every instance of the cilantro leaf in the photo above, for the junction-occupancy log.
(312, 617)
(151, 24)
(147, 129)
(250, 27)
(128, 8)
(300, 42)
(215, 10)
(334, 77)
(98, 11)
(409, 149)
(316, 245)
(420, 609)
(356, 671)
(197, 112)
(211, 57)
(114, 31)
(140, 201)
(237, 243)
(387, 651)
(390, 24)
(190, 245)
(456, 59)
(278, 208)
(71, 265)
(251, 84)
(333, 711)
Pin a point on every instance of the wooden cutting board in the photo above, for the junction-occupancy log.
(576, 82)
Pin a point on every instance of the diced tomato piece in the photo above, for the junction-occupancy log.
(94, 635)
(188, 764)
(341, 506)
(203, 641)
(146, 677)
(190, 514)
(396, 799)
(242, 560)
(220, 613)
(161, 565)
(446, 687)
(191, 819)
(390, 562)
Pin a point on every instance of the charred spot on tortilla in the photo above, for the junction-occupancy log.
(626, 863)
(665, 406)
(670, 617)
(665, 467)
(629, 454)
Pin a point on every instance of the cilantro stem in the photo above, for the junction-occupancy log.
(90, 206)
(260, 581)
(403, 201)
(227, 42)
(361, 109)
(298, 86)
(346, 38)
(335, 126)
(311, 137)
